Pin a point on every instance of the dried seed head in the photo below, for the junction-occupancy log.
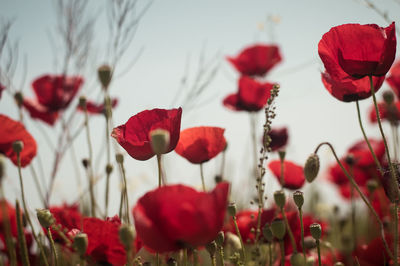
(297, 259)
(267, 233)
(316, 231)
(82, 102)
(388, 97)
(19, 98)
(220, 239)
(18, 146)
(109, 168)
(119, 157)
(232, 209)
(298, 197)
(105, 75)
(280, 199)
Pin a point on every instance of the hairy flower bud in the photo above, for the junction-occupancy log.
(298, 198)
(105, 75)
(280, 198)
(316, 231)
(311, 167)
(159, 139)
(45, 217)
(80, 243)
(278, 228)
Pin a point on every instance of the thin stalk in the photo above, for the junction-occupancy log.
(253, 132)
(282, 248)
(291, 236)
(221, 255)
(7, 228)
(57, 228)
(121, 164)
(37, 184)
(395, 141)
(27, 213)
(202, 177)
(90, 168)
(21, 237)
(157, 259)
(195, 257)
(366, 138)
(363, 197)
(213, 260)
(107, 115)
(270, 254)
(396, 234)
(302, 232)
(243, 255)
(53, 246)
(185, 257)
(282, 172)
(353, 218)
(159, 170)
(319, 252)
(223, 164)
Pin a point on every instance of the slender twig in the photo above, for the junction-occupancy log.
(202, 178)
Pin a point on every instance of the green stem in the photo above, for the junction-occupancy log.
(221, 255)
(157, 259)
(353, 218)
(185, 257)
(282, 247)
(213, 260)
(21, 237)
(282, 173)
(291, 236)
(366, 138)
(363, 197)
(253, 126)
(90, 168)
(53, 246)
(243, 255)
(302, 232)
(159, 169)
(125, 192)
(202, 177)
(195, 257)
(319, 252)
(395, 141)
(42, 253)
(396, 235)
(108, 112)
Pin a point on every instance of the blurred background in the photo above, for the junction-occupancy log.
(175, 46)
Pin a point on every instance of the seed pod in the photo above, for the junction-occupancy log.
(298, 198)
(126, 235)
(105, 75)
(280, 199)
(267, 233)
(17, 146)
(220, 239)
(159, 139)
(297, 259)
(278, 228)
(311, 167)
(80, 243)
(45, 218)
(232, 209)
(316, 231)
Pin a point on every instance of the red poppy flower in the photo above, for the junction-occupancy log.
(67, 217)
(98, 108)
(373, 253)
(41, 112)
(256, 60)
(279, 138)
(347, 89)
(201, 144)
(358, 50)
(133, 136)
(246, 220)
(252, 95)
(394, 78)
(172, 217)
(387, 112)
(56, 91)
(104, 244)
(362, 155)
(11, 131)
(293, 175)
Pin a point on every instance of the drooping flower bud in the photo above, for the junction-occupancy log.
(126, 235)
(220, 239)
(18, 146)
(119, 157)
(232, 209)
(105, 75)
(278, 228)
(280, 198)
(298, 198)
(80, 243)
(316, 231)
(311, 167)
(159, 139)
(45, 217)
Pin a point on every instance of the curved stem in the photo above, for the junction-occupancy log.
(243, 255)
(363, 197)
(202, 177)
(108, 112)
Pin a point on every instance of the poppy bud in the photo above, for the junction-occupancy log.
(82, 102)
(45, 217)
(311, 167)
(280, 199)
(159, 139)
(232, 209)
(309, 242)
(267, 233)
(372, 185)
(338, 264)
(80, 243)
(126, 235)
(119, 157)
(17, 146)
(220, 239)
(298, 198)
(388, 97)
(390, 186)
(109, 168)
(2, 167)
(211, 248)
(172, 262)
(85, 162)
(297, 259)
(19, 98)
(105, 75)
(278, 228)
(316, 231)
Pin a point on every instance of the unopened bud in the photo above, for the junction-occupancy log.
(159, 139)
(280, 199)
(19, 98)
(80, 243)
(220, 239)
(232, 209)
(82, 102)
(45, 218)
(211, 248)
(372, 185)
(126, 235)
(298, 198)
(297, 259)
(109, 168)
(267, 233)
(316, 231)
(311, 167)
(309, 242)
(105, 75)
(278, 228)
(388, 97)
(119, 157)
(18, 146)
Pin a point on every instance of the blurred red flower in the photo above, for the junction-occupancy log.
(56, 91)
(362, 155)
(104, 244)
(41, 112)
(173, 217)
(348, 89)
(11, 131)
(252, 95)
(256, 60)
(246, 220)
(358, 50)
(67, 217)
(387, 112)
(293, 175)
(201, 144)
(98, 108)
(279, 138)
(133, 136)
(373, 253)
(394, 78)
